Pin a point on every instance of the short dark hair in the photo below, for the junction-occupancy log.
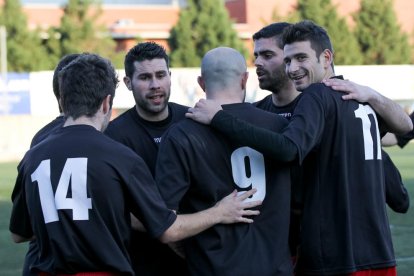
(84, 84)
(274, 30)
(143, 51)
(307, 30)
(62, 63)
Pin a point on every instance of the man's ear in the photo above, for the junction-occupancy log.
(327, 56)
(245, 76)
(106, 104)
(201, 82)
(128, 83)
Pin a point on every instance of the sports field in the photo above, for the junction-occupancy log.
(402, 225)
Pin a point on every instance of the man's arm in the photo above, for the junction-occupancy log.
(394, 116)
(18, 239)
(231, 209)
(270, 143)
(389, 140)
(396, 194)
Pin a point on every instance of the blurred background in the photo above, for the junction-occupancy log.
(373, 42)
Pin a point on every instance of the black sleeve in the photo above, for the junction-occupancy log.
(396, 195)
(402, 140)
(20, 218)
(271, 144)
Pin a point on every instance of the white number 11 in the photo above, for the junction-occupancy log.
(362, 112)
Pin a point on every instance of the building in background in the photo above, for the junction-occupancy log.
(152, 20)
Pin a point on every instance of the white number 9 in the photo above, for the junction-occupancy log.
(248, 168)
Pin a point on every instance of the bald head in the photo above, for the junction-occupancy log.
(223, 68)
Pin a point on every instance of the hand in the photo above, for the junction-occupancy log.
(232, 208)
(203, 111)
(353, 90)
(136, 224)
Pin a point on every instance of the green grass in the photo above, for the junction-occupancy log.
(402, 225)
(11, 254)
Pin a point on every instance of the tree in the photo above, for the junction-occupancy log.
(379, 35)
(203, 25)
(24, 50)
(323, 13)
(79, 32)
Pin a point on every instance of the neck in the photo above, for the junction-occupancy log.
(152, 117)
(225, 97)
(84, 120)
(285, 95)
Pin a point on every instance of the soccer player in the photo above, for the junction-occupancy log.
(345, 228)
(140, 128)
(270, 69)
(79, 187)
(197, 166)
(42, 134)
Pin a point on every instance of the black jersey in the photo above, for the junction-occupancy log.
(149, 256)
(402, 140)
(198, 167)
(286, 111)
(78, 188)
(143, 136)
(345, 226)
(45, 131)
(395, 193)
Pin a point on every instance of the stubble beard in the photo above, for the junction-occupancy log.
(276, 82)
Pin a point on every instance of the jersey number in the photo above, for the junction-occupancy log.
(248, 170)
(74, 174)
(362, 112)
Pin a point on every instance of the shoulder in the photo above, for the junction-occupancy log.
(263, 102)
(178, 110)
(259, 117)
(48, 129)
(320, 91)
(121, 123)
(124, 118)
(184, 130)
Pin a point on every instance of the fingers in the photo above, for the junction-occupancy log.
(246, 214)
(245, 220)
(348, 97)
(247, 194)
(251, 204)
(190, 113)
(251, 213)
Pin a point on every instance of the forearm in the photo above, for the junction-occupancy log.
(189, 225)
(270, 143)
(394, 116)
(389, 140)
(233, 208)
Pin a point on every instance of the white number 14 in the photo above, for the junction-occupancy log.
(75, 173)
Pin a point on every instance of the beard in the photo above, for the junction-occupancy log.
(149, 107)
(275, 81)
